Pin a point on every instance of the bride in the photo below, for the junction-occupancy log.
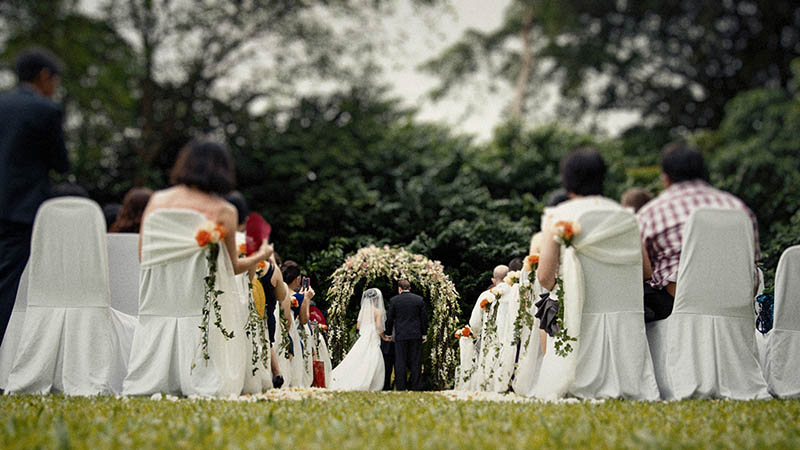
(362, 368)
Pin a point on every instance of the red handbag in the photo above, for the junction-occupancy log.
(319, 374)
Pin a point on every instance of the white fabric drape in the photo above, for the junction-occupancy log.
(8, 350)
(602, 274)
(783, 341)
(530, 353)
(72, 341)
(506, 317)
(166, 355)
(123, 271)
(469, 348)
(261, 381)
(705, 348)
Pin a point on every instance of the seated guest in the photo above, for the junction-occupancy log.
(169, 353)
(67, 189)
(635, 198)
(110, 212)
(662, 220)
(236, 199)
(515, 265)
(129, 218)
(583, 174)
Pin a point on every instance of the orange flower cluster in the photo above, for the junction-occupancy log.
(323, 327)
(209, 233)
(485, 303)
(295, 304)
(566, 228)
(533, 259)
(464, 332)
(262, 265)
(242, 249)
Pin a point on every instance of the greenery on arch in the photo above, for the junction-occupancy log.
(371, 264)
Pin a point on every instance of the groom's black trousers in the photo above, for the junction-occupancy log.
(15, 247)
(407, 357)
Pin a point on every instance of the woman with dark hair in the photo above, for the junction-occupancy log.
(129, 218)
(581, 237)
(184, 344)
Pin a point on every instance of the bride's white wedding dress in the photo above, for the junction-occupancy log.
(362, 368)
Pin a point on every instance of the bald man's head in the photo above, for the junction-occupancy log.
(499, 273)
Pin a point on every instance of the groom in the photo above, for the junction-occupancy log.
(407, 321)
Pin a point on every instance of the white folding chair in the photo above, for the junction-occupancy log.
(613, 356)
(8, 350)
(706, 348)
(70, 340)
(782, 369)
(123, 271)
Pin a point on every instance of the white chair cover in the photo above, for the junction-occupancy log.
(8, 349)
(308, 355)
(292, 368)
(166, 356)
(324, 355)
(602, 274)
(71, 341)
(783, 341)
(467, 375)
(261, 381)
(123, 271)
(705, 348)
(530, 353)
(506, 317)
(489, 348)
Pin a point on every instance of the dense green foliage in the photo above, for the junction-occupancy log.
(675, 62)
(407, 420)
(336, 172)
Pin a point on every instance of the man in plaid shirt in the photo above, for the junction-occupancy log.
(662, 219)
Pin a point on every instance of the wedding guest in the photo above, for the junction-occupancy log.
(662, 220)
(172, 274)
(557, 197)
(202, 173)
(32, 144)
(110, 212)
(67, 189)
(301, 294)
(515, 265)
(635, 198)
(236, 199)
(129, 219)
(583, 175)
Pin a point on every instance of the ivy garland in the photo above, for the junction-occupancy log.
(257, 333)
(211, 299)
(286, 341)
(562, 337)
(490, 335)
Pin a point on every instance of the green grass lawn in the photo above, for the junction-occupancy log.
(392, 421)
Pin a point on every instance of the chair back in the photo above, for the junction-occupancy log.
(611, 287)
(715, 274)
(123, 271)
(787, 291)
(68, 266)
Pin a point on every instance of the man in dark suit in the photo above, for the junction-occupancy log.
(31, 144)
(407, 320)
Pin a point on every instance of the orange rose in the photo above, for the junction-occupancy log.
(484, 303)
(242, 249)
(466, 332)
(262, 264)
(566, 228)
(202, 237)
(294, 303)
(533, 259)
(458, 335)
(221, 231)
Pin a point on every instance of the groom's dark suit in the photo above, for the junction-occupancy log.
(407, 320)
(31, 143)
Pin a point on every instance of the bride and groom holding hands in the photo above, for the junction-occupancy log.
(403, 326)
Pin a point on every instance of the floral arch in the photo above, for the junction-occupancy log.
(426, 276)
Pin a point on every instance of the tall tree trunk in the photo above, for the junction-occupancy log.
(526, 66)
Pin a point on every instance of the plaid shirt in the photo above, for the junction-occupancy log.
(662, 219)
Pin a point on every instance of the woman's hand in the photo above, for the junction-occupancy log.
(265, 251)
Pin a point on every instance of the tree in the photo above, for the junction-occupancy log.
(677, 63)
